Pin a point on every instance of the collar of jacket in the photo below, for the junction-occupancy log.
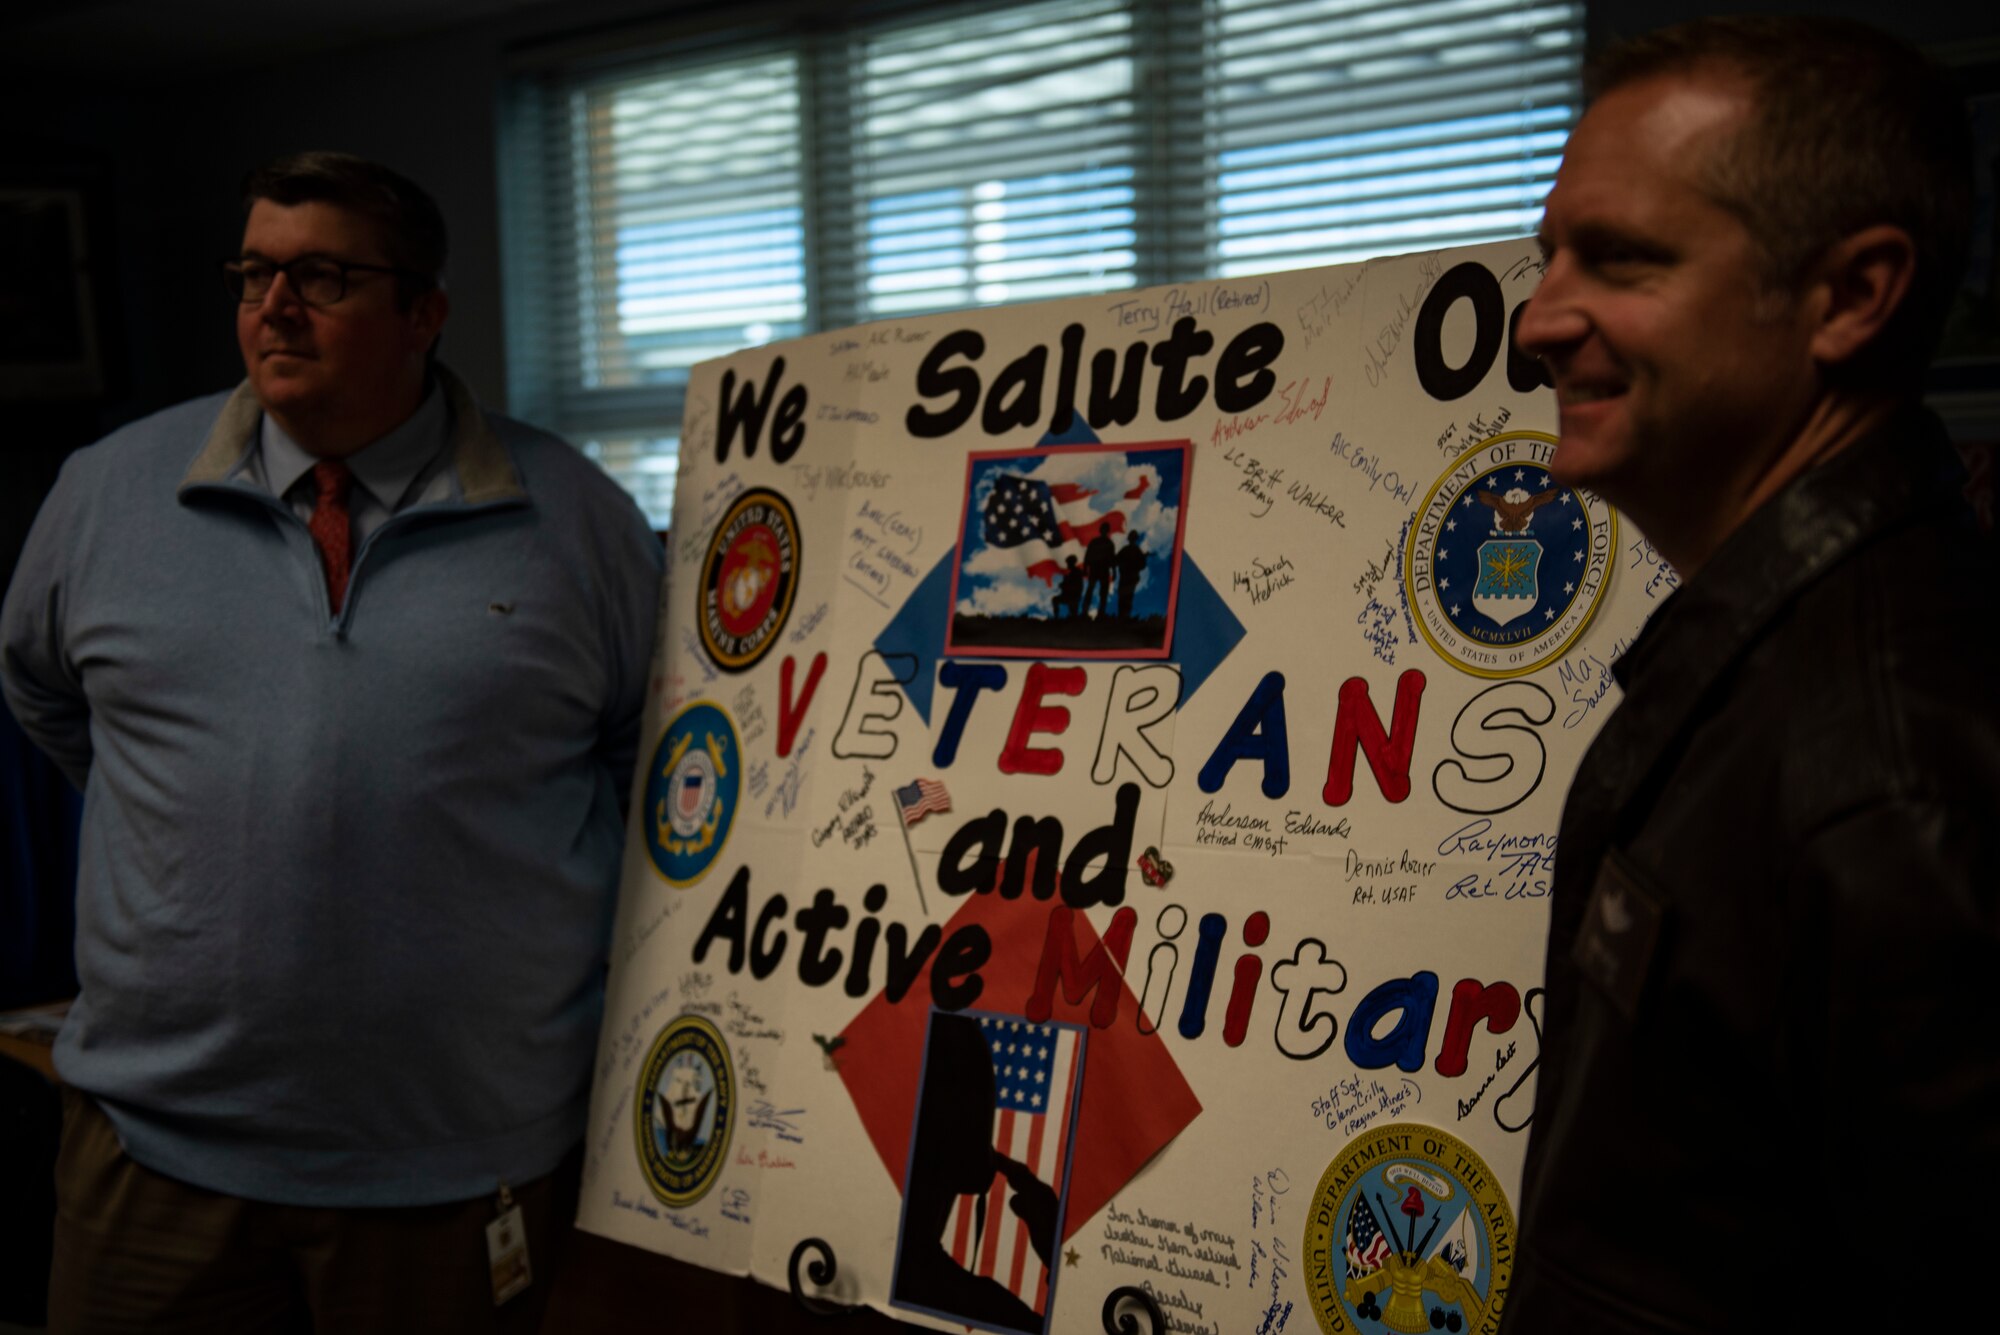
(1699, 632)
(480, 463)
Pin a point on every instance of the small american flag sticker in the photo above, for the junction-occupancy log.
(920, 799)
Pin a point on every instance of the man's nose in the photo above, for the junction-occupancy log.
(281, 299)
(1551, 320)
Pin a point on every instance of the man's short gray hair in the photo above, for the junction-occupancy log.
(1851, 127)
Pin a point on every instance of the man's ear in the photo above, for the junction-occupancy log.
(1864, 279)
(428, 312)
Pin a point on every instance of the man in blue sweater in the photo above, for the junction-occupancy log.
(350, 672)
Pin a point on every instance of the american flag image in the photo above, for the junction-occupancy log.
(1020, 509)
(1035, 1068)
(694, 785)
(1367, 1245)
(1043, 521)
(920, 799)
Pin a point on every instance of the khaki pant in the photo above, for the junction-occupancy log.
(137, 1251)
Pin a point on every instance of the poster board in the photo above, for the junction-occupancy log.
(1098, 800)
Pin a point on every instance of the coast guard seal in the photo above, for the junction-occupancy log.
(1503, 567)
(685, 1110)
(1408, 1232)
(691, 792)
(748, 579)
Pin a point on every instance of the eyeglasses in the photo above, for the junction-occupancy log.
(317, 280)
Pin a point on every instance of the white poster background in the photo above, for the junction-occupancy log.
(1297, 512)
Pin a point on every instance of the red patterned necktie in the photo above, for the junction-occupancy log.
(330, 527)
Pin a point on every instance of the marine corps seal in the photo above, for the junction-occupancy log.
(691, 792)
(1408, 1232)
(1503, 567)
(748, 579)
(685, 1110)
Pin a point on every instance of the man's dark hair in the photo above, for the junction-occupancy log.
(1851, 127)
(405, 216)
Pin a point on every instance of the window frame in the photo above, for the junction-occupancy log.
(1178, 153)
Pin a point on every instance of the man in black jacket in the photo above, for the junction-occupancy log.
(1770, 1085)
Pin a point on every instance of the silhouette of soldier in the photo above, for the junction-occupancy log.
(1069, 600)
(1098, 559)
(1131, 565)
(954, 1156)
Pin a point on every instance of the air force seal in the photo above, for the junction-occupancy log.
(1504, 568)
(1408, 1232)
(685, 1110)
(691, 792)
(748, 579)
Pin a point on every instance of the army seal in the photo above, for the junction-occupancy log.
(1409, 1232)
(685, 1110)
(748, 579)
(691, 792)
(1503, 567)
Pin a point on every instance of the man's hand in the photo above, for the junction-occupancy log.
(1033, 1203)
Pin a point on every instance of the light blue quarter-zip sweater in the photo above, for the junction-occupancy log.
(346, 881)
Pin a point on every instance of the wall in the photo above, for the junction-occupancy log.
(160, 150)
(1927, 23)
(169, 151)
(165, 150)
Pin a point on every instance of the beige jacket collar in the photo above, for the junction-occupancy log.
(478, 460)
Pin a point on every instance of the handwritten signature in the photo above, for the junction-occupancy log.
(786, 792)
(764, 1117)
(1586, 679)
(1523, 863)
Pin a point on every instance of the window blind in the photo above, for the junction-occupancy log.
(993, 160)
(661, 209)
(1342, 129)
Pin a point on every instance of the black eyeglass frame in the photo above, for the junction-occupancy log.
(233, 277)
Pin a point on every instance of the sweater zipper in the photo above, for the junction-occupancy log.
(443, 510)
(339, 624)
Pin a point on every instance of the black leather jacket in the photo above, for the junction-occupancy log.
(1770, 1086)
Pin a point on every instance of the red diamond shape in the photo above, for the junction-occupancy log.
(1134, 1097)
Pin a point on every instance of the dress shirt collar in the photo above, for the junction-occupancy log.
(386, 468)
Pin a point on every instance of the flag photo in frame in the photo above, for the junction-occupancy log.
(1070, 552)
(989, 1169)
